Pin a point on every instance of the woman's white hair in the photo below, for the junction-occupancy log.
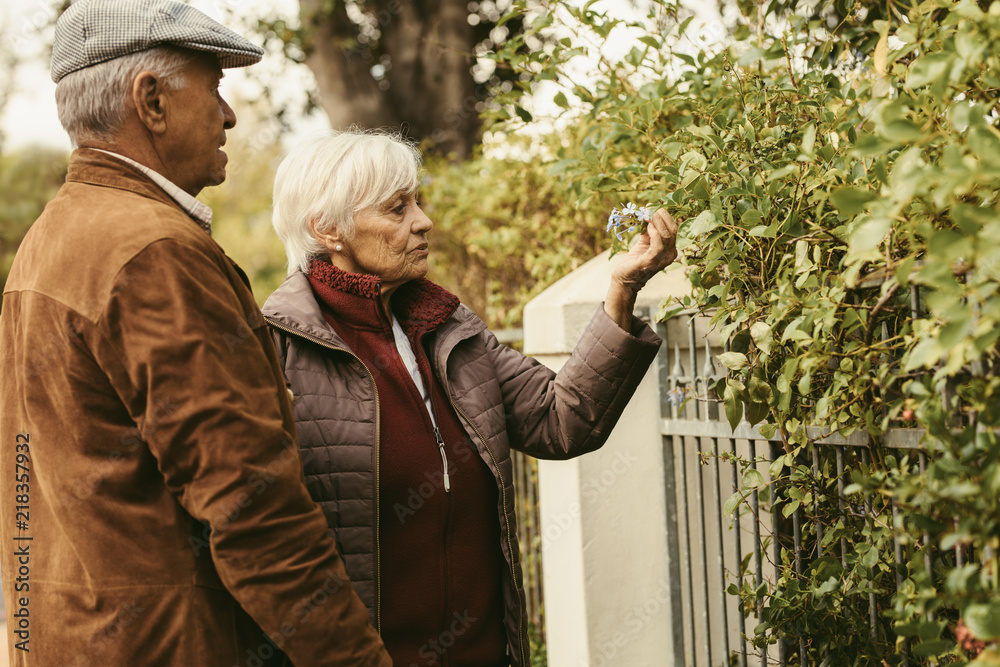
(331, 179)
(91, 101)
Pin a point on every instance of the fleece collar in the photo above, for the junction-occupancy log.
(419, 305)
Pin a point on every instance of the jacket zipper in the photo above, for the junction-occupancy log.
(503, 499)
(378, 438)
(444, 459)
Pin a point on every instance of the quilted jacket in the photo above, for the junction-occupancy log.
(504, 399)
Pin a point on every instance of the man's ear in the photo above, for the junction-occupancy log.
(150, 102)
(329, 239)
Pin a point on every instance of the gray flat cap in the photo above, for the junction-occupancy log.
(95, 31)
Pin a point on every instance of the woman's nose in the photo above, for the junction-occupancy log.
(422, 223)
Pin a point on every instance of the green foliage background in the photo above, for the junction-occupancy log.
(839, 180)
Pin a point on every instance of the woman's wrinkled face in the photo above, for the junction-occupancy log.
(390, 241)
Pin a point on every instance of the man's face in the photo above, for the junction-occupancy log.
(197, 121)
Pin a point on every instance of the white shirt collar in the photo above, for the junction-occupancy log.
(196, 209)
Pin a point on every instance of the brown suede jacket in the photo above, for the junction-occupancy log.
(154, 511)
(504, 399)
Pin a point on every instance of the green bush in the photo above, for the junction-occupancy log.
(839, 185)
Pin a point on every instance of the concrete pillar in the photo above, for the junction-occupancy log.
(603, 515)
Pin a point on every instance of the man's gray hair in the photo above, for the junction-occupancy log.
(333, 178)
(91, 101)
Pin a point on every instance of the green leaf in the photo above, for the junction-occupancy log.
(750, 217)
(762, 337)
(560, 100)
(869, 558)
(984, 142)
(523, 113)
(870, 234)
(904, 269)
(809, 140)
(759, 391)
(850, 200)
(734, 361)
(933, 647)
(752, 479)
(757, 412)
(928, 69)
(983, 620)
(903, 131)
(649, 40)
(704, 223)
(732, 503)
(733, 404)
(790, 507)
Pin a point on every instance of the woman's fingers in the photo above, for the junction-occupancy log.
(653, 251)
(662, 231)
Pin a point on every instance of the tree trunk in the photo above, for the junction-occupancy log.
(427, 89)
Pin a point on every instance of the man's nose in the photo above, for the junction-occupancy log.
(228, 115)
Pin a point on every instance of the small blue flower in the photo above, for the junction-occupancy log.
(676, 396)
(625, 219)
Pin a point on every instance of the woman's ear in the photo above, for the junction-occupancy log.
(150, 102)
(331, 240)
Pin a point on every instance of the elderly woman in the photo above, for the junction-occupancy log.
(407, 406)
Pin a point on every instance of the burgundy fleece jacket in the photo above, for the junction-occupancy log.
(441, 570)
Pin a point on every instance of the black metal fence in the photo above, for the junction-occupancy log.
(708, 548)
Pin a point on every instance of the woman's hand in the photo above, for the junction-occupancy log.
(654, 251)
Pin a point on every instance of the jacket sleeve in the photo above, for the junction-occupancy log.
(572, 412)
(188, 351)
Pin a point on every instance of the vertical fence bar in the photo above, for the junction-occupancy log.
(687, 552)
(817, 524)
(535, 537)
(872, 611)
(737, 530)
(928, 547)
(758, 558)
(797, 542)
(675, 504)
(722, 551)
(693, 354)
(959, 551)
(776, 544)
(840, 502)
(699, 494)
(898, 555)
(676, 381)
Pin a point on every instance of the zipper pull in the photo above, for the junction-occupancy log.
(444, 459)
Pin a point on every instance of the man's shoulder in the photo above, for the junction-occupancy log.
(119, 216)
(89, 234)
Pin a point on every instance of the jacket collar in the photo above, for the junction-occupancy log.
(94, 167)
(201, 213)
(419, 305)
(293, 307)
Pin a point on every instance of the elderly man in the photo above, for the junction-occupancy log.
(154, 506)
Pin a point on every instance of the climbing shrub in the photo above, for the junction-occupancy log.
(838, 181)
